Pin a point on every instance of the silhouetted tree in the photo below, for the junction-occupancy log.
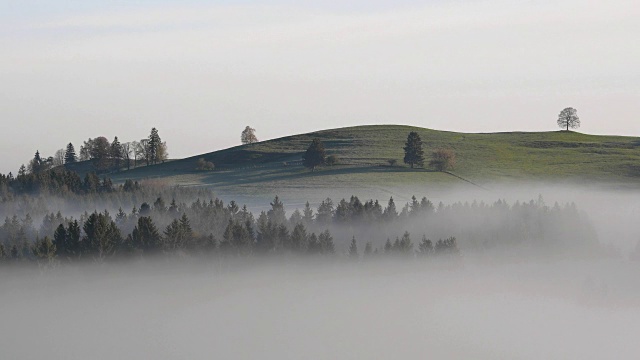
(70, 154)
(425, 247)
(390, 213)
(326, 242)
(102, 236)
(277, 214)
(116, 153)
(314, 155)
(154, 146)
(145, 236)
(568, 118)
(299, 238)
(101, 153)
(248, 135)
(314, 246)
(413, 153)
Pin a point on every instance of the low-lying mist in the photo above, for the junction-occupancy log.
(542, 272)
(296, 309)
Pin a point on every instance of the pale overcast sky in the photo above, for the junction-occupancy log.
(200, 71)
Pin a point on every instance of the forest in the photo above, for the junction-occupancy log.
(59, 223)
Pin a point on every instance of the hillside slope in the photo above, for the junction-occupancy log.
(363, 152)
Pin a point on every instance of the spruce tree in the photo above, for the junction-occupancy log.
(413, 153)
(145, 236)
(353, 249)
(102, 236)
(299, 238)
(425, 247)
(326, 242)
(44, 249)
(368, 249)
(154, 145)
(314, 155)
(314, 246)
(390, 212)
(116, 153)
(70, 154)
(277, 214)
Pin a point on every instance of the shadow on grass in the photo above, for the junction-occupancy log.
(246, 177)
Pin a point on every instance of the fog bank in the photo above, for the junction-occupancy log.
(295, 310)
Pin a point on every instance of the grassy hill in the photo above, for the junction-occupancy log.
(273, 166)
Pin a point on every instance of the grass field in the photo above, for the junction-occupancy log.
(273, 166)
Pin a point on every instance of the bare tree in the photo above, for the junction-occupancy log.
(248, 135)
(85, 150)
(162, 153)
(143, 152)
(568, 118)
(135, 149)
(58, 158)
(127, 150)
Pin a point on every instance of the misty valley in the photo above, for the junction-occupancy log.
(131, 261)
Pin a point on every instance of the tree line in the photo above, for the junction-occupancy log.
(99, 237)
(103, 155)
(212, 226)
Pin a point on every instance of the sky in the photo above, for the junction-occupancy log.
(200, 71)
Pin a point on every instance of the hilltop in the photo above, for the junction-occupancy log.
(274, 166)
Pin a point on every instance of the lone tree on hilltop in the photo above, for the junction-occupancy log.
(413, 153)
(315, 155)
(248, 136)
(154, 146)
(568, 118)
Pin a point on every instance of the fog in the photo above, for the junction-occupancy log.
(294, 310)
(576, 301)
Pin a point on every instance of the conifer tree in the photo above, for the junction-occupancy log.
(406, 246)
(326, 242)
(116, 153)
(102, 236)
(425, 247)
(368, 249)
(387, 246)
(307, 214)
(44, 249)
(353, 249)
(277, 214)
(60, 241)
(314, 246)
(70, 154)
(154, 145)
(145, 236)
(390, 213)
(315, 155)
(298, 238)
(413, 153)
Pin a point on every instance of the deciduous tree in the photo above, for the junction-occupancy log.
(443, 159)
(568, 118)
(248, 135)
